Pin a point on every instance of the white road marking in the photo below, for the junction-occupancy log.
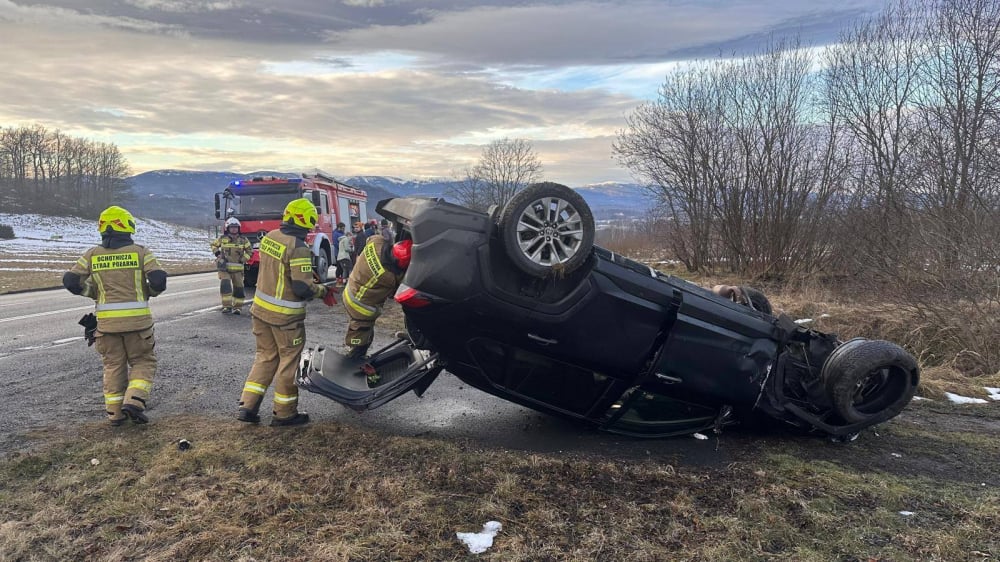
(89, 306)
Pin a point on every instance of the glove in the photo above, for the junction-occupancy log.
(89, 323)
(221, 263)
(329, 298)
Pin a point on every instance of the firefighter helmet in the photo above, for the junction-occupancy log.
(401, 251)
(301, 212)
(117, 219)
(233, 221)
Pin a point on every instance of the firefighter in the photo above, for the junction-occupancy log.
(284, 285)
(232, 250)
(376, 276)
(120, 276)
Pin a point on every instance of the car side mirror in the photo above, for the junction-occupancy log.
(218, 206)
(316, 199)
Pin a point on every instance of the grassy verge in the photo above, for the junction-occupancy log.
(330, 492)
(26, 277)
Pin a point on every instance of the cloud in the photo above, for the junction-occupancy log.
(186, 6)
(388, 87)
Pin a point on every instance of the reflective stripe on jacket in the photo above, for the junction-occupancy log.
(117, 281)
(237, 251)
(371, 281)
(284, 259)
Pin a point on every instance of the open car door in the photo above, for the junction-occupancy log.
(399, 367)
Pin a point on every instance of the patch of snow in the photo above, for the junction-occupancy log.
(39, 237)
(700, 436)
(958, 399)
(897, 455)
(803, 321)
(907, 513)
(994, 392)
(479, 542)
(922, 398)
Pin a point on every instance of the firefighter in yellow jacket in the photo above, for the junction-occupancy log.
(284, 285)
(375, 277)
(231, 250)
(120, 276)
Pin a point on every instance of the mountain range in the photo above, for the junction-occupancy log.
(186, 197)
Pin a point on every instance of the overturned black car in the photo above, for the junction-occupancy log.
(520, 304)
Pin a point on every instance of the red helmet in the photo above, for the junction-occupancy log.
(401, 251)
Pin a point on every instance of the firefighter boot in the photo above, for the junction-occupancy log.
(248, 414)
(133, 413)
(116, 422)
(297, 419)
(357, 352)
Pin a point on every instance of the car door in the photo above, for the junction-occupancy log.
(400, 368)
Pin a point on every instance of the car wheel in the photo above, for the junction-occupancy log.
(757, 300)
(250, 276)
(547, 229)
(322, 266)
(867, 379)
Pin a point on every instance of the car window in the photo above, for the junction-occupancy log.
(543, 379)
(651, 413)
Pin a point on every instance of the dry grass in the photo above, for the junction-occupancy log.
(329, 492)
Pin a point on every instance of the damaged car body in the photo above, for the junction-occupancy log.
(521, 304)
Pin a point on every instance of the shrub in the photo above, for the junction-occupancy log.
(6, 232)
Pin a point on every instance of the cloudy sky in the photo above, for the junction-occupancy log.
(405, 88)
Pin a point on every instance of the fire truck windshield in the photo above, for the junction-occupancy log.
(262, 205)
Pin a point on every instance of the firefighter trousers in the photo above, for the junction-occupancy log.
(361, 328)
(231, 289)
(276, 359)
(123, 385)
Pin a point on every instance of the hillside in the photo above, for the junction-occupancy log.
(186, 197)
(44, 247)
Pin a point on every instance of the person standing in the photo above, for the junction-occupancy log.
(284, 285)
(338, 233)
(376, 276)
(360, 237)
(345, 251)
(120, 276)
(232, 250)
(386, 231)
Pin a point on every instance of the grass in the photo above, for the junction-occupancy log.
(330, 492)
(27, 278)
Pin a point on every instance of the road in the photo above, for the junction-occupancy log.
(51, 380)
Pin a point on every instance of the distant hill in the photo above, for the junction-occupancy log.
(186, 197)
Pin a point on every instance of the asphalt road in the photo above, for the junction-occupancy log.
(51, 380)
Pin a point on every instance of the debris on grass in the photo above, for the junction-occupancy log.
(700, 436)
(480, 542)
(907, 513)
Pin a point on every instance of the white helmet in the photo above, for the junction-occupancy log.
(233, 221)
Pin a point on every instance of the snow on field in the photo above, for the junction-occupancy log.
(959, 399)
(60, 240)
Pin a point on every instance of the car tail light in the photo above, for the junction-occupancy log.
(412, 298)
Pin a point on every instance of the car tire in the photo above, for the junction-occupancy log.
(547, 230)
(757, 300)
(870, 379)
(322, 266)
(250, 276)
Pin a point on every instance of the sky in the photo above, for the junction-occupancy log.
(404, 88)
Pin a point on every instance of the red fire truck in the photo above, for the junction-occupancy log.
(259, 203)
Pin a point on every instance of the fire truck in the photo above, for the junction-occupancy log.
(259, 202)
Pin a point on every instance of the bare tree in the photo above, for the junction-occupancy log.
(505, 167)
(52, 173)
(470, 190)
